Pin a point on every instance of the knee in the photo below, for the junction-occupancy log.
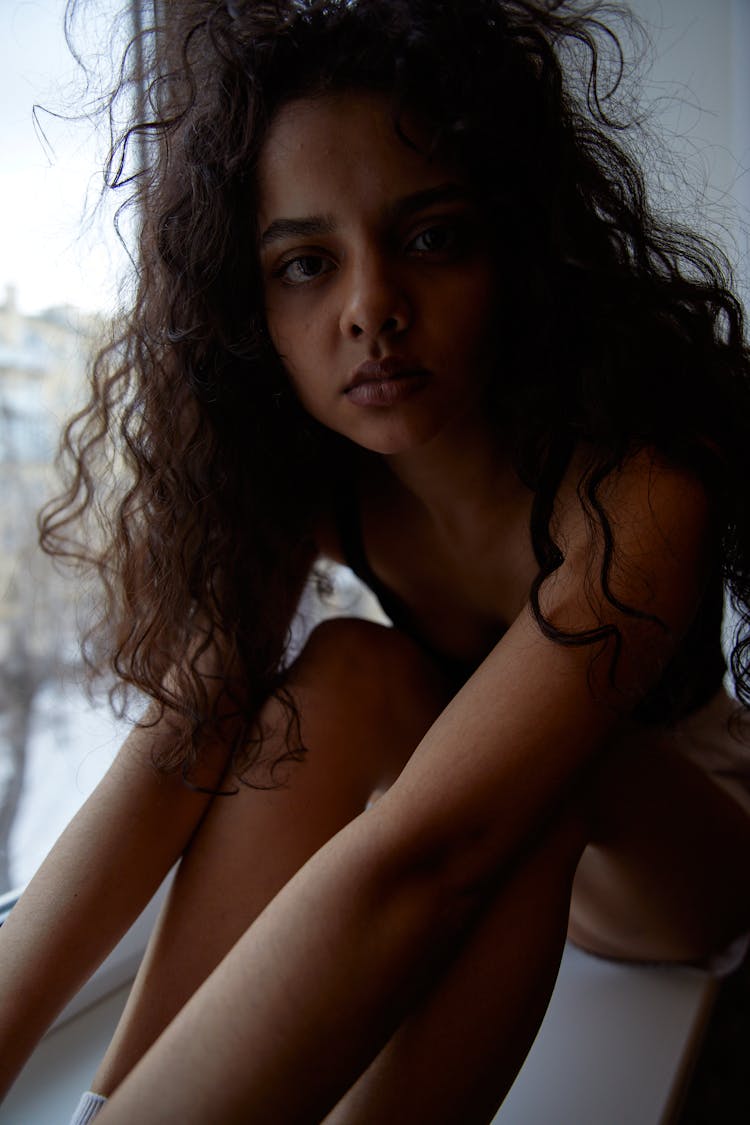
(371, 659)
(347, 642)
(369, 676)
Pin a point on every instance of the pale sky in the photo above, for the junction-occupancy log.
(43, 251)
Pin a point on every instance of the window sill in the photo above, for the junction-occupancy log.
(618, 1044)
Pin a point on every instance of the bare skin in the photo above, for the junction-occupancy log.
(366, 697)
(495, 993)
(427, 797)
(379, 929)
(288, 825)
(355, 272)
(89, 889)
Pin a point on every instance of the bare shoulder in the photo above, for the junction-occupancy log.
(646, 494)
(643, 537)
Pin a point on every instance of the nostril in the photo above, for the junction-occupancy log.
(391, 324)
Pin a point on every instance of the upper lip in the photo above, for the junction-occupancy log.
(375, 370)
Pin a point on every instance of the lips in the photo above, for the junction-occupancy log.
(384, 382)
(375, 370)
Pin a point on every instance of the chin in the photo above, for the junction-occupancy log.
(390, 440)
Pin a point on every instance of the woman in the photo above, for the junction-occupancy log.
(401, 304)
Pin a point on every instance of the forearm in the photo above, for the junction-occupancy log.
(334, 962)
(457, 1052)
(326, 972)
(97, 878)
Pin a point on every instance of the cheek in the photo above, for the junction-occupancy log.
(293, 337)
(473, 321)
(296, 350)
(485, 307)
(283, 339)
(275, 326)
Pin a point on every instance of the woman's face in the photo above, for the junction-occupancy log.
(378, 279)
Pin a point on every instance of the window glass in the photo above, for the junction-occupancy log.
(59, 277)
(57, 290)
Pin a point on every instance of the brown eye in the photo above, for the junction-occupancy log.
(438, 239)
(303, 268)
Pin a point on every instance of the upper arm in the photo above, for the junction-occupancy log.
(642, 578)
(511, 743)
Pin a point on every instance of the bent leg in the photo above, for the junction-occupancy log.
(667, 875)
(366, 696)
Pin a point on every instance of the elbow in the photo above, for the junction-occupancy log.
(454, 870)
(441, 878)
(457, 872)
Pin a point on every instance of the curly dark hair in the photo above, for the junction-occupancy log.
(620, 331)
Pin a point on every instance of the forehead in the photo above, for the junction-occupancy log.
(339, 151)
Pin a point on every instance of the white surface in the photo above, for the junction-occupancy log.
(615, 1049)
(616, 1046)
(62, 1066)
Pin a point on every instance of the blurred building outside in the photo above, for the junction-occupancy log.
(54, 745)
(42, 378)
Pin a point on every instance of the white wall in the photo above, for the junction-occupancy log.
(700, 80)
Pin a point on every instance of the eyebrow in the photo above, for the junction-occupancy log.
(313, 225)
(297, 228)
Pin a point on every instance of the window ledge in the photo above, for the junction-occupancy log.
(618, 1044)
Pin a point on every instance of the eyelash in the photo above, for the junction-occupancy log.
(282, 270)
(455, 228)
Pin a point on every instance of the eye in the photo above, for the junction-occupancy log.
(302, 269)
(440, 238)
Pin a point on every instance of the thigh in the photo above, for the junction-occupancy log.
(665, 877)
(364, 695)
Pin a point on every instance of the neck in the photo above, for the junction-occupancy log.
(461, 474)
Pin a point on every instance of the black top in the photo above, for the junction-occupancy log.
(349, 529)
(690, 680)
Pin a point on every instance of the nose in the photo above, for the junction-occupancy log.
(374, 303)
